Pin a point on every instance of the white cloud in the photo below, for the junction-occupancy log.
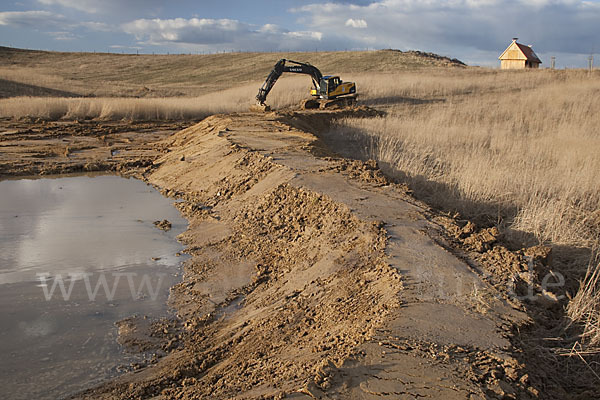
(96, 26)
(303, 35)
(269, 28)
(194, 30)
(356, 23)
(63, 35)
(216, 34)
(123, 47)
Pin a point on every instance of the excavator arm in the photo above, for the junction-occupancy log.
(280, 68)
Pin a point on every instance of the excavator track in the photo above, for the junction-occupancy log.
(340, 102)
(322, 104)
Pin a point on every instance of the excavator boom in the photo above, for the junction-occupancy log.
(280, 68)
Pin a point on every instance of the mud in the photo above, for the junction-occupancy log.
(39, 147)
(310, 276)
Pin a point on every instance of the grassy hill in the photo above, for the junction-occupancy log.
(130, 75)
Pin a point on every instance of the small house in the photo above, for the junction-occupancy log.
(519, 56)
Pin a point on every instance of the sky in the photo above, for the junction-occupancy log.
(474, 31)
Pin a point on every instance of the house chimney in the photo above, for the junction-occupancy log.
(515, 39)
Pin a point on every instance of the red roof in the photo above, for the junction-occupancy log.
(528, 51)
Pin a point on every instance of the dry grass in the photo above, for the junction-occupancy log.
(288, 92)
(55, 108)
(584, 308)
(520, 149)
(116, 86)
(516, 149)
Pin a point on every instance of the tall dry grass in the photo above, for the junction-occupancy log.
(519, 148)
(288, 92)
(584, 308)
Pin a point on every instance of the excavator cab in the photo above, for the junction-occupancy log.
(331, 87)
(326, 85)
(333, 83)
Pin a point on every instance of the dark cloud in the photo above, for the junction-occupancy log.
(31, 19)
(117, 9)
(355, 2)
(43, 20)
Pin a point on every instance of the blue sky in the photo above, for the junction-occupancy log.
(475, 31)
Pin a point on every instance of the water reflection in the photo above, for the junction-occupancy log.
(81, 231)
(80, 224)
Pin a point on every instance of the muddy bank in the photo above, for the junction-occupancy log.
(39, 147)
(315, 277)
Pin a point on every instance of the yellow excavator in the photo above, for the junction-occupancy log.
(328, 91)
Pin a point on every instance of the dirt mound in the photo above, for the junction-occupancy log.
(308, 303)
(366, 171)
(436, 58)
(284, 282)
(165, 225)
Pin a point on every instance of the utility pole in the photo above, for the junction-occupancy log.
(591, 63)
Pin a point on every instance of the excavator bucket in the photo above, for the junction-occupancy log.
(260, 108)
(309, 104)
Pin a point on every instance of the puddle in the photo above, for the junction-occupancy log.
(78, 254)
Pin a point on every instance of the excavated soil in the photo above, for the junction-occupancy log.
(311, 276)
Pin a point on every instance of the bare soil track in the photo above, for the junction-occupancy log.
(311, 276)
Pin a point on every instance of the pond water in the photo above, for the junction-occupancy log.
(78, 254)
